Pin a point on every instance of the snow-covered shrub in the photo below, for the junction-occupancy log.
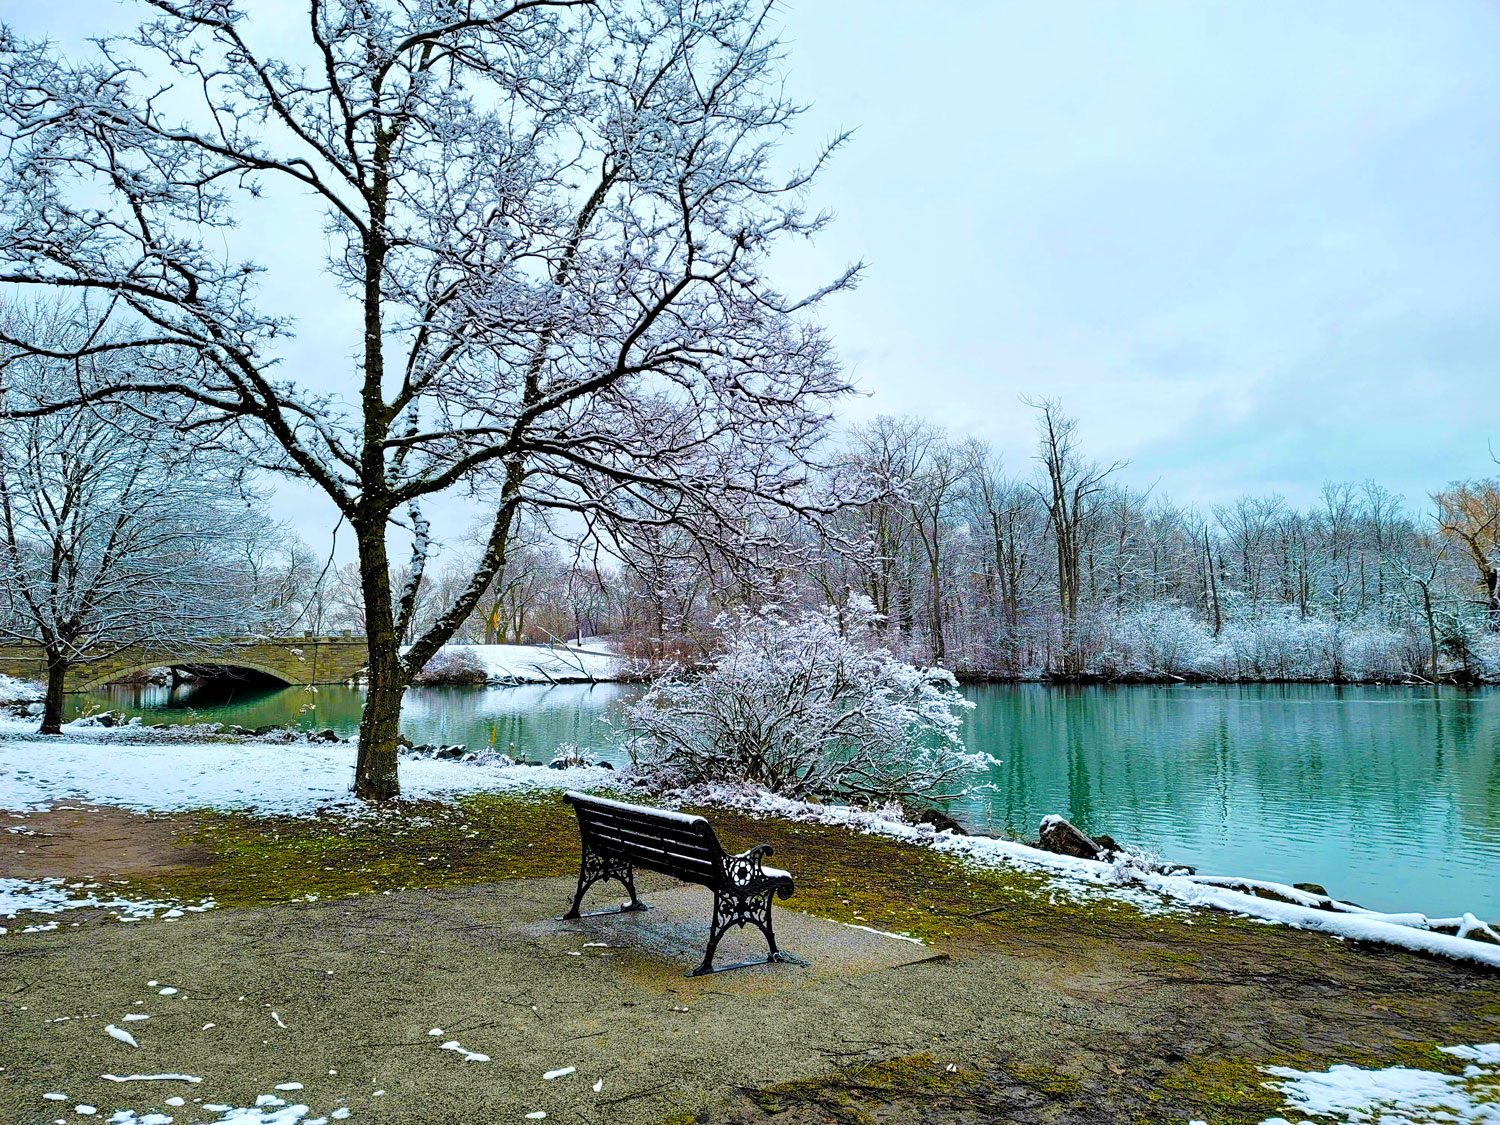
(1484, 653)
(454, 665)
(801, 709)
(1163, 639)
(1376, 652)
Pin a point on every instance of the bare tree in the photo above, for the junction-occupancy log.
(114, 530)
(1069, 491)
(554, 215)
(1469, 514)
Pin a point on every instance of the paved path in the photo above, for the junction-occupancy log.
(359, 984)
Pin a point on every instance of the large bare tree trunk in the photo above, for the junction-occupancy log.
(52, 707)
(379, 724)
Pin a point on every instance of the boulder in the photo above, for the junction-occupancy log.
(1107, 844)
(1312, 889)
(941, 821)
(450, 753)
(1062, 838)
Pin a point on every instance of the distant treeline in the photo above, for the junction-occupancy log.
(1049, 566)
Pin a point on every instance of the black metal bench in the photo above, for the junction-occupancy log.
(617, 838)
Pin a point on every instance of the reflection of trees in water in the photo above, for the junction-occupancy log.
(1224, 760)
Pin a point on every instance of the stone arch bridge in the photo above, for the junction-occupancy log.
(296, 661)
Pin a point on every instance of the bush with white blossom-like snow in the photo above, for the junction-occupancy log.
(807, 708)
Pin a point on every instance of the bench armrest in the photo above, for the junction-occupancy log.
(746, 867)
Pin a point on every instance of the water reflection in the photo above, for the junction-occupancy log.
(1387, 796)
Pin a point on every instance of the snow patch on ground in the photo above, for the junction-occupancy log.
(293, 779)
(267, 1110)
(55, 896)
(1396, 1095)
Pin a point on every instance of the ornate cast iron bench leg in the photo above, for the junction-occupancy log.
(753, 909)
(594, 868)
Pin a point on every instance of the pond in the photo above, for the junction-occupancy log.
(1389, 797)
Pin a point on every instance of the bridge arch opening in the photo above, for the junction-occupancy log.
(238, 670)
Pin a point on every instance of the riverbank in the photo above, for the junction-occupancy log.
(306, 774)
(336, 944)
(1386, 796)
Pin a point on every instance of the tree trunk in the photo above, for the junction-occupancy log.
(52, 708)
(1432, 644)
(375, 770)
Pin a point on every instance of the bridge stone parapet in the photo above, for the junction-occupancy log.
(292, 660)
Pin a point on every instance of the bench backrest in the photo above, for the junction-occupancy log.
(672, 843)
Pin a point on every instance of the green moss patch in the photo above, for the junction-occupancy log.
(256, 860)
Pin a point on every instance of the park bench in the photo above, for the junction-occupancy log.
(617, 838)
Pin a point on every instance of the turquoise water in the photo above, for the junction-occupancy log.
(1389, 797)
(529, 721)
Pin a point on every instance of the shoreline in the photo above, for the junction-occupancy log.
(236, 774)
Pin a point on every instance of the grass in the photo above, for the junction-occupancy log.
(253, 861)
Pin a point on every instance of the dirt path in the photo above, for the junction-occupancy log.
(1047, 1009)
(76, 840)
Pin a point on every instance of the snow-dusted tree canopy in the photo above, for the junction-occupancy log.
(808, 706)
(554, 215)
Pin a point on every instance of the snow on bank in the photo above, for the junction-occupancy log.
(19, 691)
(540, 664)
(296, 779)
(1126, 878)
(1396, 1095)
(54, 896)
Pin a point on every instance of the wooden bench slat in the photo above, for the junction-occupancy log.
(642, 832)
(675, 829)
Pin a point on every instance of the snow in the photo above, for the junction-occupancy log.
(54, 896)
(542, 664)
(266, 1111)
(193, 1078)
(885, 933)
(296, 779)
(1480, 1053)
(1396, 1095)
(469, 1056)
(121, 1034)
(560, 1072)
(307, 778)
(19, 691)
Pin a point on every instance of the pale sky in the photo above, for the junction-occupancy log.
(1251, 245)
